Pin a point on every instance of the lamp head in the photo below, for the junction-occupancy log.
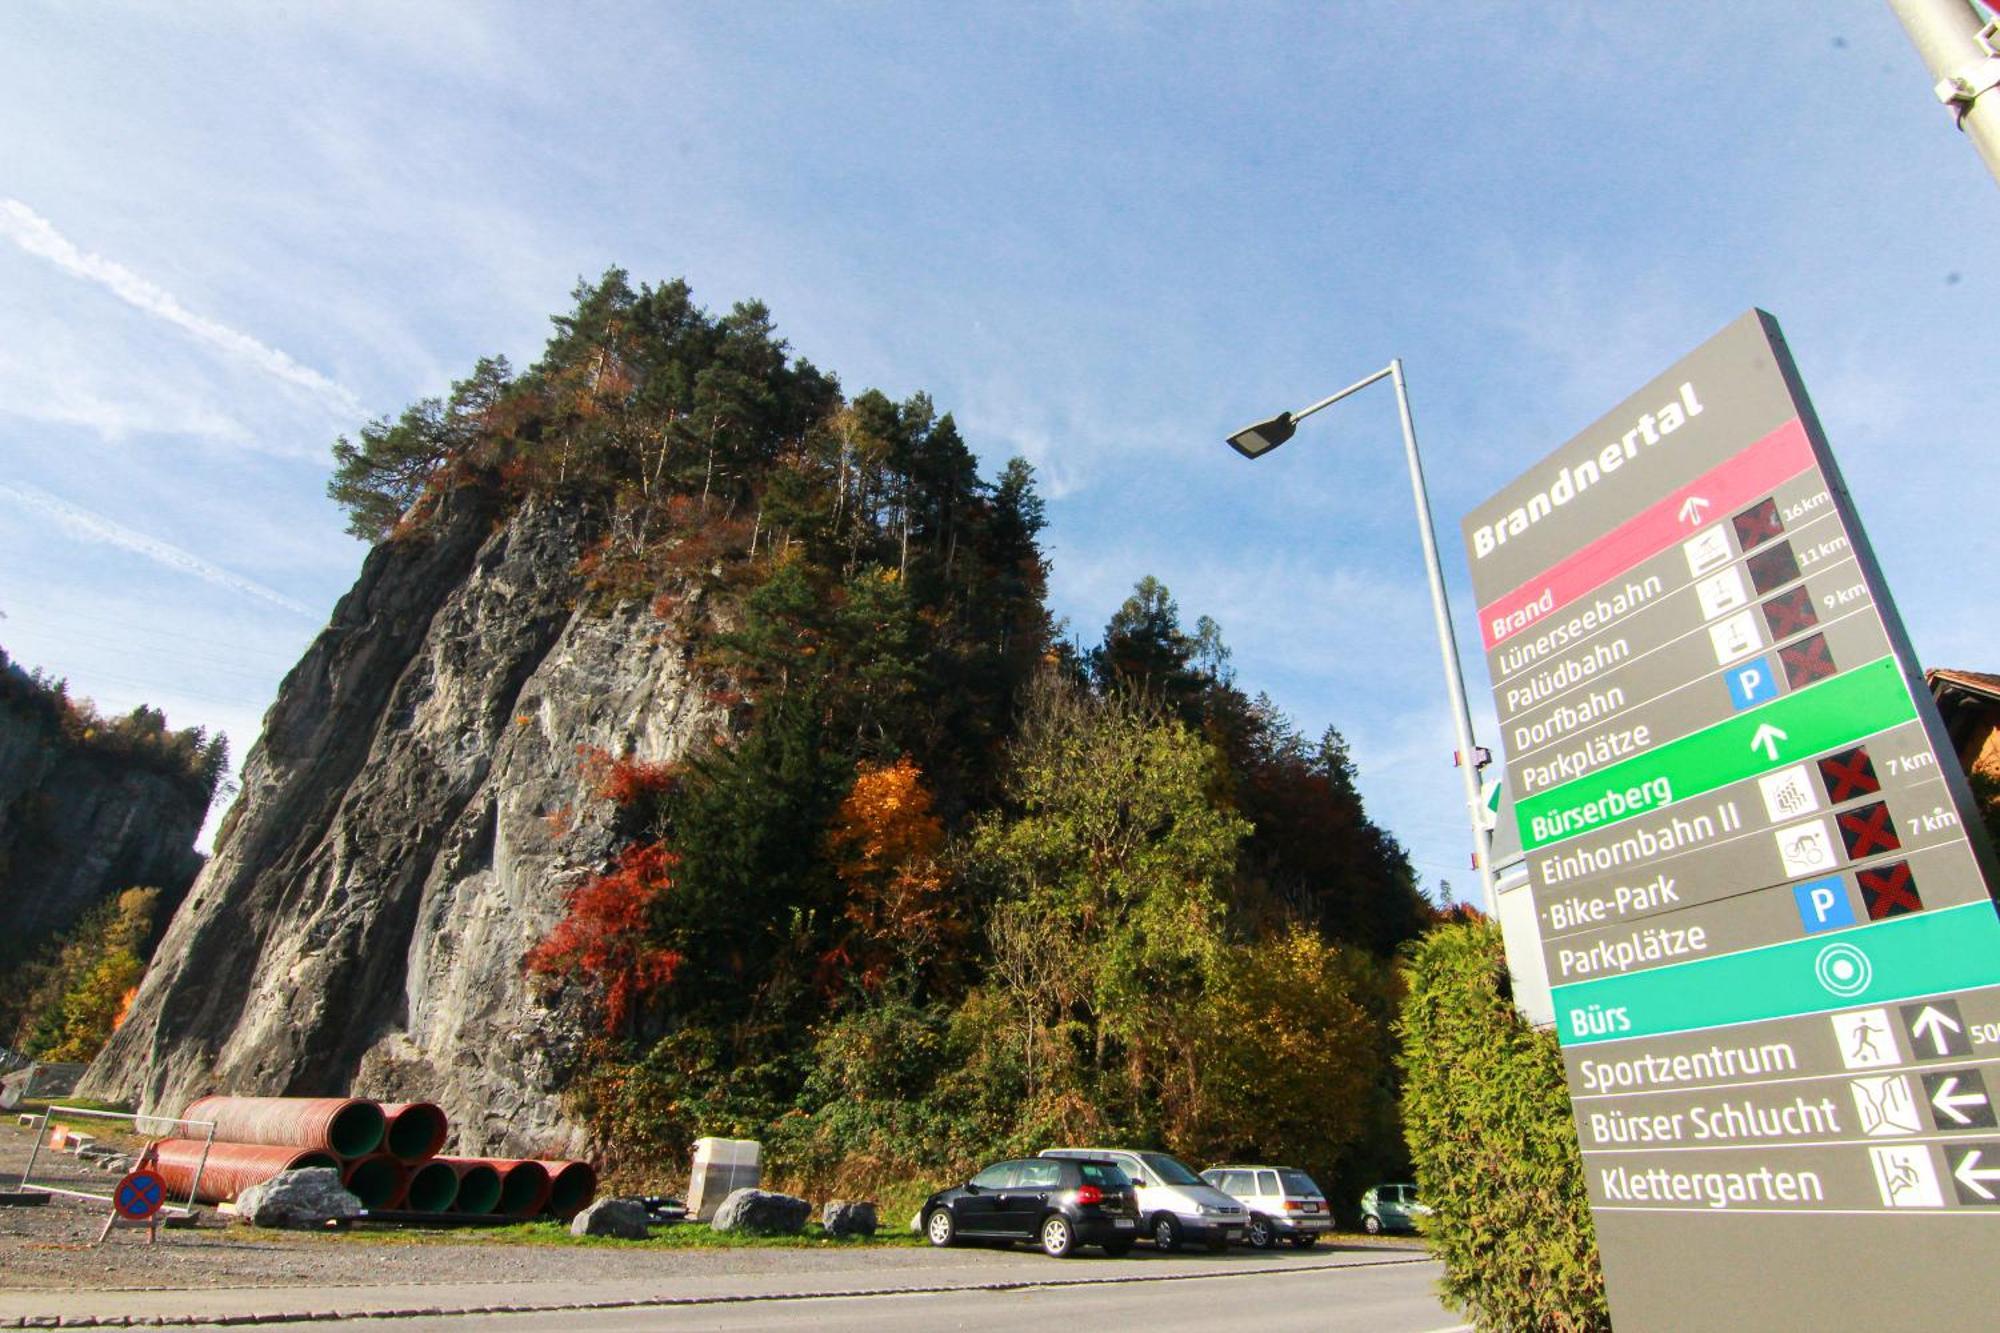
(1257, 440)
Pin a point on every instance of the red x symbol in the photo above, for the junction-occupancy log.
(1889, 890)
(1868, 830)
(1772, 568)
(1790, 613)
(1849, 775)
(1757, 525)
(1806, 661)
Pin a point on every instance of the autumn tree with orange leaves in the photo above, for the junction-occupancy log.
(885, 845)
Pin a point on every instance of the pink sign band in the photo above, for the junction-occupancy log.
(1709, 498)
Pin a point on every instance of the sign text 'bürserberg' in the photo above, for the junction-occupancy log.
(1774, 955)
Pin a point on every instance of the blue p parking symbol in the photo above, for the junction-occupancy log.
(1752, 683)
(1823, 904)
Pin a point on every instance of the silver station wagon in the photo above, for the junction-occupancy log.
(1282, 1202)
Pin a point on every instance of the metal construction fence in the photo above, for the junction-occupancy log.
(84, 1153)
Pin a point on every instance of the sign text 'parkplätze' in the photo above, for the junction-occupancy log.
(1773, 951)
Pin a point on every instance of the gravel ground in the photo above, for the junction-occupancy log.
(49, 1249)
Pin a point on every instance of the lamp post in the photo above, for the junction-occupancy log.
(1256, 440)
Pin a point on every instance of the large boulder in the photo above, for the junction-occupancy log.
(848, 1217)
(762, 1211)
(624, 1219)
(310, 1197)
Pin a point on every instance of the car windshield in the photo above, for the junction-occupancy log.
(1104, 1175)
(1168, 1170)
(1298, 1182)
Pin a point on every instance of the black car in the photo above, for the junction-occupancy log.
(1060, 1203)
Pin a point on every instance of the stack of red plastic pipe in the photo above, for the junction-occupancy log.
(386, 1153)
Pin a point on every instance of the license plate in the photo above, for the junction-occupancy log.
(1312, 1208)
(1121, 1222)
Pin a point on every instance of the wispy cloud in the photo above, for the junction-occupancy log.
(86, 525)
(37, 236)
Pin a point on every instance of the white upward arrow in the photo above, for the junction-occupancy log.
(1934, 1023)
(1948, 1099)
(1970, 1176)
(1767, 739)
(1691, 510)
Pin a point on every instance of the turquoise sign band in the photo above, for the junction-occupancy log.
(1956, 948)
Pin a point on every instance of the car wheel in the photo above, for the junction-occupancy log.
(1259, 1233)
(1304, 1242)
(1117, 1249)
(1372, 1225)
(1058, 1237)
(941, 1228)
(1166, 1233)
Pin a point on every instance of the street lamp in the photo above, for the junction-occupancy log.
(1254, 441)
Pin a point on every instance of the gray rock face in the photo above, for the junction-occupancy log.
(848, 1217)
(77, 827)
(297, 1199)
(408, 826)
(763, 1211)
(624, 1219)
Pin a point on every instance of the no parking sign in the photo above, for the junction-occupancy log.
(139, 1196)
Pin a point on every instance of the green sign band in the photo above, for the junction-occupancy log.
(1835, 712)
(1954, 948)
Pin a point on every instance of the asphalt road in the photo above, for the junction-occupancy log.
(1393, 1298)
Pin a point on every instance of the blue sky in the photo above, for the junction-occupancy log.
(1103, 235)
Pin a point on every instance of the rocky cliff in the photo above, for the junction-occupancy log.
(407, 827)
(78, 825)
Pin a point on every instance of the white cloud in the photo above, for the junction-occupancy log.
(85, 525)
(37, 236)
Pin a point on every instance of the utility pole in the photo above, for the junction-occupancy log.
(1960, 53)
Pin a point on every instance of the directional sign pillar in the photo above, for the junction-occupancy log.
(1772, 946)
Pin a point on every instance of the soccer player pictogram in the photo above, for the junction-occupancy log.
(1889, 890)
(1772, 568)
(1868, 830)
(1758, 524)
(1849, 774)
(1790, 613)
(1806, 661)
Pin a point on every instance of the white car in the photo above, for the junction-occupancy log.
(1176, 1206)
(1283, 1203)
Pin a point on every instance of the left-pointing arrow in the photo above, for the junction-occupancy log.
(1947, 1099)
(1969, 1174)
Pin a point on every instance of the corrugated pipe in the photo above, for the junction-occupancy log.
(346, 1126)
(433, 1187)
(414, 1131)
(524, 1186)
(231, 1167)
(378, 1180)
(478, 1184)
(572, 1185)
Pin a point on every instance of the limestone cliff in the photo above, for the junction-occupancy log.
(407, 827)
(79, 825)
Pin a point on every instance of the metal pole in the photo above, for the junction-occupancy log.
(1964, 69)
(1333, 398)
(1454, 677)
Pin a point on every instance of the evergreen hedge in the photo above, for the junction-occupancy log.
(1487, 1116)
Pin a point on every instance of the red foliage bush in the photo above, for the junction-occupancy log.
(626, 781)
(605, 939)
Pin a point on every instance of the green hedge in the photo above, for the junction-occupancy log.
(1487, 1116)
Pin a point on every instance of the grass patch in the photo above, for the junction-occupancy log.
(37, 1105)
(686, 1236)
